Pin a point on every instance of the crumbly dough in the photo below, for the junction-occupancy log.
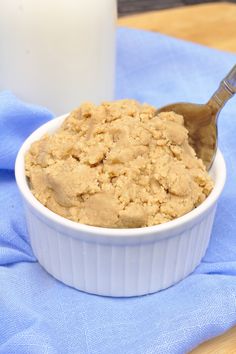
(118, 165)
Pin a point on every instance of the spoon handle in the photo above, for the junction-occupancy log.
(225, 91)
(230, 80)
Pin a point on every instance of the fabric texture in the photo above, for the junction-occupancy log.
(38, 314)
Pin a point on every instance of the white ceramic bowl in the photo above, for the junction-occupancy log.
(117, 262)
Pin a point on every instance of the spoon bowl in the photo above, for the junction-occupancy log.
(201, 119)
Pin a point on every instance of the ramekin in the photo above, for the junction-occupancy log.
(117, 262)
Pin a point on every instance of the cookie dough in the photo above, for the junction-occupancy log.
(118, 165)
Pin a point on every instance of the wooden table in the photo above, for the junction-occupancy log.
(213, 25)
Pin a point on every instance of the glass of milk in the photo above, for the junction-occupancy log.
(58, 53)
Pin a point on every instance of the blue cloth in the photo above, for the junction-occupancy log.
(40, 315)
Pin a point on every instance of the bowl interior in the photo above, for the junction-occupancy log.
(217, 172)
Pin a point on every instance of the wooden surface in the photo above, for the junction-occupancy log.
(213, 25)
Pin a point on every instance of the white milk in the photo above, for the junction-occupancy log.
(58, 53)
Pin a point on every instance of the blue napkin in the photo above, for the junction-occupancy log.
(38, 314)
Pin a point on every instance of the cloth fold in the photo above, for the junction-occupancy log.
(41, 315)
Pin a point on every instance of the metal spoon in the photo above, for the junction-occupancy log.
(201, 119)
